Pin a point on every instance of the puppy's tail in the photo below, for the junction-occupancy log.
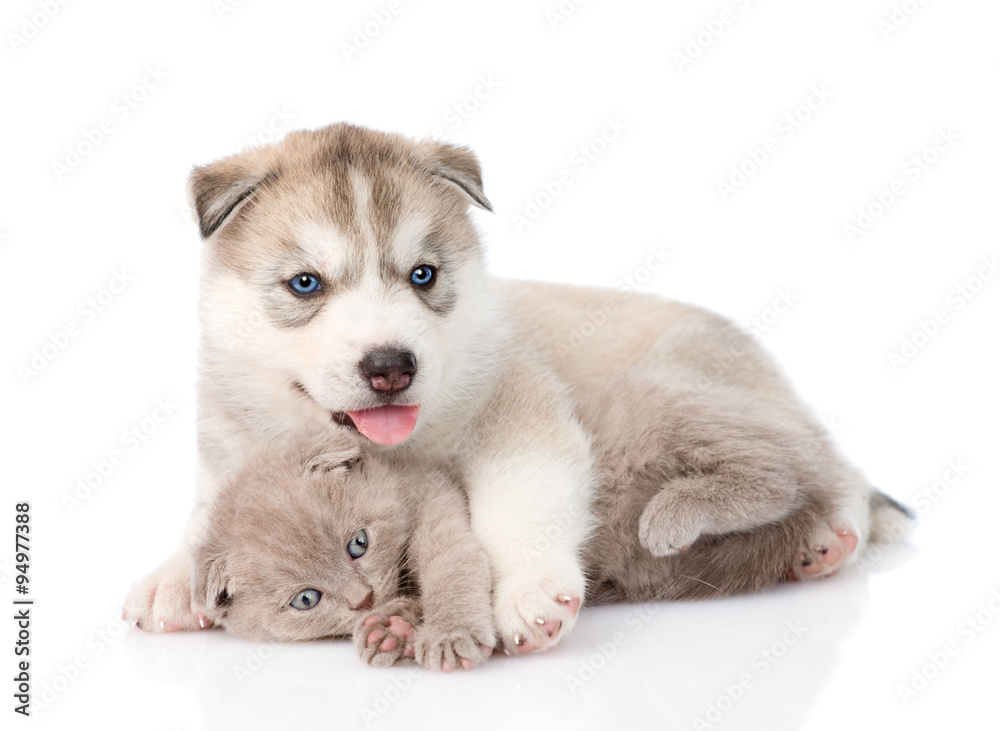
(889, 519)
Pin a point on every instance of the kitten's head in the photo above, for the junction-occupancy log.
(303, 541)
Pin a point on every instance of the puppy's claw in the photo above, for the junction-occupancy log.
(572, 603)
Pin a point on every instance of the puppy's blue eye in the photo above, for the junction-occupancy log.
(422, 275)
(304, 283)
(358, 545)
(306, 599)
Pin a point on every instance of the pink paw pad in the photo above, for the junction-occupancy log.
(400, 627)
(550, 627)
(572, 603)
(388, 634)
(387, 638)
(828, 552)
(546, 632)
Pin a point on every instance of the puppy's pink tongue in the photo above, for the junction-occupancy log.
(386, 424)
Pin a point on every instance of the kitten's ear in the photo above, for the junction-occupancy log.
(329, 455)
(210, 580)
(219, 191)
(457, 166)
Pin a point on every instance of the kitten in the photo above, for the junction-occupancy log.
(310, 541)
(706, 494)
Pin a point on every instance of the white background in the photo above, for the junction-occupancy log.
(217, 80)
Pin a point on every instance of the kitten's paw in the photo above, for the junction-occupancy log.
(161, 600)
(535, 618)
(384, 637)
(827, 551)
(670, 524)
(448, 649)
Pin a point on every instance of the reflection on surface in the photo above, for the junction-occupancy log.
(735, 663)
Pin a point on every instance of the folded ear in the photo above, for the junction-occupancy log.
(456, 165)
(210, 580)
(331, 453)
(217, 192)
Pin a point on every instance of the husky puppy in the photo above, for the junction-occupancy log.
(344, 288)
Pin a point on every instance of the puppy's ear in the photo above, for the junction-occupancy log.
(331, 454)
(210, 580)
(219, 191)
(456, 165)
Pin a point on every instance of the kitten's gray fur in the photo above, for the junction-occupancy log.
(283, 526)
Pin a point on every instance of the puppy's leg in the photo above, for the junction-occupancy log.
(531, 512)
(456, 631)
(161, 600)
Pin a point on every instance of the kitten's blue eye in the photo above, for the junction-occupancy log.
(304, 283)
(358, 544)
(306, 599)
(422, 275)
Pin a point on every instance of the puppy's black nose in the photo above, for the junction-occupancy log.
(389, 369)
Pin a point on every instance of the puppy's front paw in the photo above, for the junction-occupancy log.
(536, 617)
(447, 649)
(384, 637)
(161, 600)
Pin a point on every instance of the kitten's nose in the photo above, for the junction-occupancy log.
(367, 603)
